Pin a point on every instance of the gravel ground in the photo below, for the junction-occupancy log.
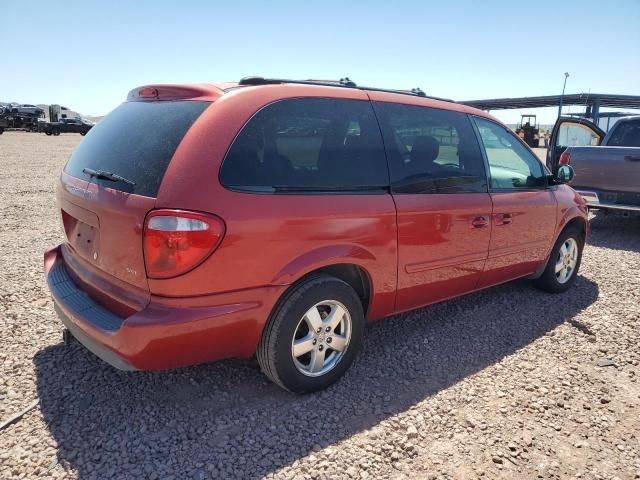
(508, 383)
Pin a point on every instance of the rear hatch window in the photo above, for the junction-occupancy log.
(626, 134)
(135, 141)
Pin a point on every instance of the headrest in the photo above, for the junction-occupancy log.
(425, 149)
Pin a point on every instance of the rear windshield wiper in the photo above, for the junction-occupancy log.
(107, 176)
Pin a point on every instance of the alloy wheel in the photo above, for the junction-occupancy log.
(321, 338)
(567, 260)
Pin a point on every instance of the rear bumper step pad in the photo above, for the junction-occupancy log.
(75, 300)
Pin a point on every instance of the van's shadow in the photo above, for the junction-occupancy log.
(226, 420)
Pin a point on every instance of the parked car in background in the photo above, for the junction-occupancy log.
(81, 126)
(26, 109)
(4, 123)
(22, 116)
(607, 166)
(275, 217)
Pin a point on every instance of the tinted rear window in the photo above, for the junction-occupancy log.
(308, 144)
(135, 141)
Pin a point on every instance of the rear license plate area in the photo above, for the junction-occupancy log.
(83, 237)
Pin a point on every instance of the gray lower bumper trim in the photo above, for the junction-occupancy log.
(91, 345)
(65, 291)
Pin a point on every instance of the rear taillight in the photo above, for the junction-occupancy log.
(177, 241)
(565, 159)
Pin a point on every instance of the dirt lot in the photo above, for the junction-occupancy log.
(508, 383)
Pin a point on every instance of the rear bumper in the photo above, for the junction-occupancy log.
(593, 201)
(166, 333)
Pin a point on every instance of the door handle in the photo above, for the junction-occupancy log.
(630, 158)
(503, 218)
(479, 222)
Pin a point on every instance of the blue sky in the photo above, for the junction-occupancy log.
(88, 55)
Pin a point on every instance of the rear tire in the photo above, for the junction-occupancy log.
(313, 335)
(564, 262)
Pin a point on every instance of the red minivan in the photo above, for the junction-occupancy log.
(275, 217)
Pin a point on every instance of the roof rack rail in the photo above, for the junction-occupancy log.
(417, 92)
(343, 82)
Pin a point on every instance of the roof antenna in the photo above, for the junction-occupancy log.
(347, 82)
(418, 91)
(586, 101)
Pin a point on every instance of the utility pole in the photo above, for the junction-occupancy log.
(566, 75)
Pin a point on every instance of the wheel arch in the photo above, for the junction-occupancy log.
(579, 222)
(354, 275)
(345, 262)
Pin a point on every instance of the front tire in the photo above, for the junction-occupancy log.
(564, 262)
(312, 335)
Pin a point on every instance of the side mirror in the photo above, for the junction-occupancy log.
(564, 174)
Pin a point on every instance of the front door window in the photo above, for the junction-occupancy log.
(511, 165)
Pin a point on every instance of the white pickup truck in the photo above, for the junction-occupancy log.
(607, 166)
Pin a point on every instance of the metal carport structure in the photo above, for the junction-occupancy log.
(591, 101)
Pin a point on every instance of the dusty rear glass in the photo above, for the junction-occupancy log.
(136, 141)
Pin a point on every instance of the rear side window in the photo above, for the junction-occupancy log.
(135, 141)
(308, 145)
(626, 134)
(431, 150)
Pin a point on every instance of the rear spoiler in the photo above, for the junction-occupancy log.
(150, 93)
